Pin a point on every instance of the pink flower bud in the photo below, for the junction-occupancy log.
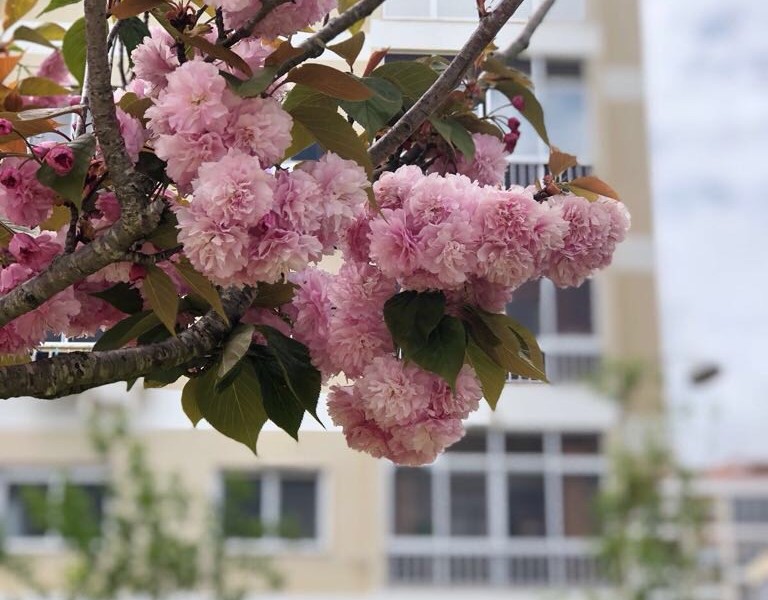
(6, 127)
(61, 159)
(42, 149)
(518, 102)
(513, 123)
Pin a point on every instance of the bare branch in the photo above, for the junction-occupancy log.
(314, 45)
(489, 26)
(79, 371)
(524, 39)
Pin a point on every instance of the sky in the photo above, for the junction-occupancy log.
(707, 88)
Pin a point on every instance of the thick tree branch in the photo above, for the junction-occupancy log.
(489, 26)
(314, 45)
(79, 371)
(138, 217)
(524, 39)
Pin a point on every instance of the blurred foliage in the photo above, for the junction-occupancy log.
(132, 535)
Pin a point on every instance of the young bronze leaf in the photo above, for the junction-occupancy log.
(559, 162)
(413, 78)
(492, 376)
(162, 297)
(285, 51)
(330, 81)
(595, 185)
(216, 51)
(350, 48)
(130, 8)
(33, 36)
(41, 86)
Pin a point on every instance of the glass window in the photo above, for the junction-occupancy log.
(526, 506)
(567, 10)
(750, 510)
(525, 306)
(298, 502)
(27, 514)
(407, 8)
(86, 501)
(524, 443)
(565, 108)
(580, 443)
(242, 505)
(475, 440)
(468, 504)
(579, 497)
(413, 501)
(574, 309)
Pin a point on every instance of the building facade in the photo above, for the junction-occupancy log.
(507, 512)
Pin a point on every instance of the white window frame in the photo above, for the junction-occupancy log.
(497, 465)
(55, 479)
(270, 513)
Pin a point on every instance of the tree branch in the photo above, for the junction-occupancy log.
(267, 7)
(524, 39)
(79, 371)
(314, 45)
(489, 26)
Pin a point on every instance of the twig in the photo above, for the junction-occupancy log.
(140, 258)
(524, 39)
(246, 30)
(71, 242)
(314, 45)
(487, 29)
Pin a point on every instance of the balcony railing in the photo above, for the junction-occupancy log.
(568, 359)
(526, 173)
(544, 564)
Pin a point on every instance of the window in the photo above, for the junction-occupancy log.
(563, 10)
(580, 443)
(514, 497)
(750, 509)
(475, 440)
(270, 504)
(39, 504)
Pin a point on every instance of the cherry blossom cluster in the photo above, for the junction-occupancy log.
(392, 409)
(285, 19)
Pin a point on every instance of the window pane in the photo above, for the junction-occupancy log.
(474, 441)
(413, 501)
(298, 507)
(526, 508)
(565, 107)
(27, 510)
(579, 497)
(468, 504)
(750, 510)
(524, 443)
(525, 305)
(457, 9)
(242, 505)
(406, 8)
(580, 443)
(574, 309)
(87, 502)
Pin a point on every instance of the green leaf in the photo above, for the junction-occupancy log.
(73, 49)
(373, 114)
(280, 403)
(237, 409)
(41, 86)
(235, 347)
(130, 8)
(330, 81)
(344, 5)
(532, 110)
(492, 376)
(413, 78)
(471, 122)
(162, 297)
(301, 95)
(273, 295)
(123, 297)
(15, 10)
(350, 48)
(27, 34)
(255, 85)
(131, 32)
(54, 4)
(126, 330)
(455, 134)
(200, 285)
(300, 139)
(303, 379)
(444, 350)
(592, 185)
(70, 186)
(333, 132)
(53, 32)
(162, 377)
(196, 388)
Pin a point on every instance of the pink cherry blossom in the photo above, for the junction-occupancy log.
(185, 153)
(489, 165)
(421, 443)
(35, 253)
(261, 128)
(154, 59)
(23, 199)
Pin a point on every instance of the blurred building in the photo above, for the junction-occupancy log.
(509, 510)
